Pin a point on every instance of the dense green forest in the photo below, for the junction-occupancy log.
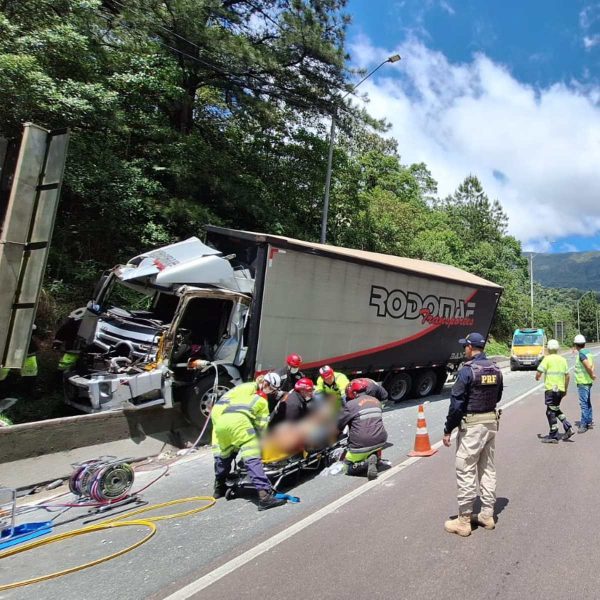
(187, 112)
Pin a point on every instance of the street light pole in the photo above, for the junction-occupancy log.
(531, 283)
(391, 59)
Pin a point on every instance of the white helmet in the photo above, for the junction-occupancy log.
(553, 345)
(579, 339)
(273, 379)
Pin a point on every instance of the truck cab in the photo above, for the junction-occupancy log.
(527, 349)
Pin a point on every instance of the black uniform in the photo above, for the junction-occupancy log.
(289, 379)
(478, 389)
(365, 418)
(376, 391)
(292, 407)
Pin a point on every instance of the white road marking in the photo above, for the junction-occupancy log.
(239, 561)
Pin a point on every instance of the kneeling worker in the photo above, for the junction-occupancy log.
(238, 419)
(367, 434)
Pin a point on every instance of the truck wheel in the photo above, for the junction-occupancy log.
(398, 386)
(425, 383)
(196, 400)
(442, 376)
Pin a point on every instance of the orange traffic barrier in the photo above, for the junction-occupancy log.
(422, 443)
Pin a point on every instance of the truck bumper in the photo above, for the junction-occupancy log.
(108, 391)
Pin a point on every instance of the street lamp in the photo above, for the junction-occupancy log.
(578, 301)
(531, 282)
(392, 59)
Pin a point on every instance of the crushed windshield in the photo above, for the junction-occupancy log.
(528, 340)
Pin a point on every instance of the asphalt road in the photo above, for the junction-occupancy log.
(364, 540)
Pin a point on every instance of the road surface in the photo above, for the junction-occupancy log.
(350, 538)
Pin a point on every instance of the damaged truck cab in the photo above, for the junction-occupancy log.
(195, 307)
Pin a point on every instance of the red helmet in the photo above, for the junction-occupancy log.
(304, 385)
(356, 387)
(326, 372)
(294, 360)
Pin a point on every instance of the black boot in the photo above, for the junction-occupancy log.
(552, 438)
(267, 500)
(219, 489)
(372, 467)
(357, 468)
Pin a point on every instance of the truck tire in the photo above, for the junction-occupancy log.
(398, 386)
(442, 376)
(425, 383)
(196, 400)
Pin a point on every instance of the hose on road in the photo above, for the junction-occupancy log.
(148, 522)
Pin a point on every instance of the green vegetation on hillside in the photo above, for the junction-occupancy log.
(579, 270)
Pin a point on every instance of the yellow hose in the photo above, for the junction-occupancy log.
(108, 524)
(211, 502)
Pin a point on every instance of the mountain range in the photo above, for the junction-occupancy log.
(579, 270)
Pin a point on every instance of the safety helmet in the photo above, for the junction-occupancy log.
(356, 387)
(294, 360)
(304, 385)
(579, 339)
(553, 345)
(326, 372)
(273, 380)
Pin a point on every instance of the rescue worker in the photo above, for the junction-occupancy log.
(30, 366)
(295, 405)
(584, 378)
(238, 418)
(374, 389)
(556, 381)
(332, 384)
(473, 400)
(290, 374)
(366, 435)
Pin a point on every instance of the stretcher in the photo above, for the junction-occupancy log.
(278, 467)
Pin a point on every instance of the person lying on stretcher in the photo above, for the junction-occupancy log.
(315, 430)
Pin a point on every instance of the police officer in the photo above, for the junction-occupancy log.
(584, 378)
(473, 401)
(556, 381)
(239, 418)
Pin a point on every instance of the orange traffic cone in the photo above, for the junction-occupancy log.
(422, 443)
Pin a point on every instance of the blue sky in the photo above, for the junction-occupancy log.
(506, 90)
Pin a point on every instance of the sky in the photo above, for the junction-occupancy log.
(508, 91)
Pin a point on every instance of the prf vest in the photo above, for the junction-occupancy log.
(485, 387)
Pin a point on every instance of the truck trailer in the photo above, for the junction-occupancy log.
(242, 301)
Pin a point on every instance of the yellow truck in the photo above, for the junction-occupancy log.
(528, 348)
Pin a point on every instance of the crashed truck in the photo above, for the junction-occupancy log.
(242, 301)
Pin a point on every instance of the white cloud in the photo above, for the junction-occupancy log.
(589, 41)
(589, 17)
(477, 118)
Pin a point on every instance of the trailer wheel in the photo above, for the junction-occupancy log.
(196, 400)
(398, 386)
(425, 383)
